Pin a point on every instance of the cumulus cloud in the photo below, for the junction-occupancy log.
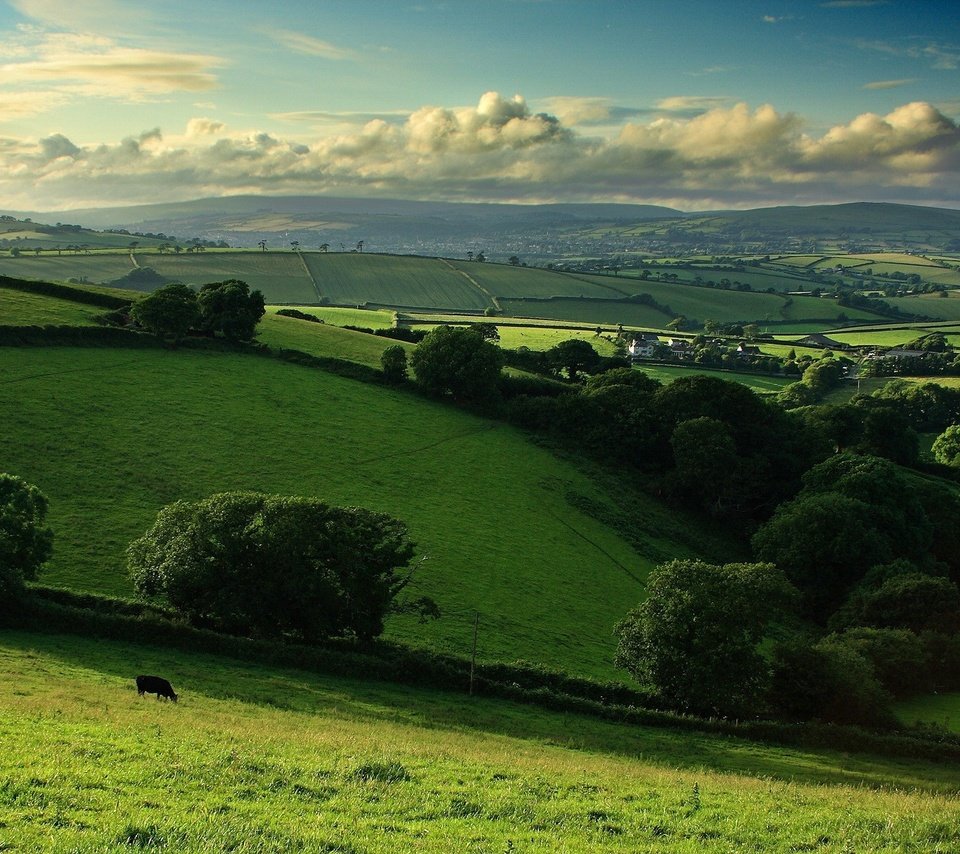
(501, 150)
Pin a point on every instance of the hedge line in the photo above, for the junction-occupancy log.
(517, 682)
(75, 336)
(64, 292)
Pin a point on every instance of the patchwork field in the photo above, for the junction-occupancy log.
(20, 308)
(253, 759)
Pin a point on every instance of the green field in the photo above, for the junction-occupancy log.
(112, 435)
(281, 276)
(21, 308)
(323, 339)
(362, 317)
(252, 759)
(97, 267)
(930, 305)
(941, 709)
(759, 383)
(390, 280)
(505, 281)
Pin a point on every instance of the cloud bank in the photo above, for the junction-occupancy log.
(501, 150)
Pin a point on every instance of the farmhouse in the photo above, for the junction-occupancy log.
(643, 346)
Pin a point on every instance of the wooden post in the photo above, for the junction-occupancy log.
(473, 657)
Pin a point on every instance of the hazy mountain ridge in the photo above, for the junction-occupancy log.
(533, 232)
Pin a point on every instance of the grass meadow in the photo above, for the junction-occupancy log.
(940, 709)
(759, 383)
(281, 276)
(20, 308)
(323, 339)
(256, 760)
(112, 435)
(355, 279)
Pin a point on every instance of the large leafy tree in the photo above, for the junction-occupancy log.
(170, 311)
(231, 309)
(25, 542)
(695, 639)
(273, 565)
(458, 362)
(575, 356)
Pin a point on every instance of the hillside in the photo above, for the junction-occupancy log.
(539, 232)
(414, 283)
(255, 759)
(111, 435)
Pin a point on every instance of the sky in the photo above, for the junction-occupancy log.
(695, 104)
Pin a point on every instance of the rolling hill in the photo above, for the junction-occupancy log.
(111, 435)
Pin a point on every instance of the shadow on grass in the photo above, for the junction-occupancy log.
(300, 692)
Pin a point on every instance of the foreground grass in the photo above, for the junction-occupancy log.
(258, 760)
(111, 436)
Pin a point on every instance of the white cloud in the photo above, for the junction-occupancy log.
(889, 84)
(501, 150)
(93, 65)
(302, 43)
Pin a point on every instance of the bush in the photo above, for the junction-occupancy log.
(393, 360)
(458, 362)
(25, 542)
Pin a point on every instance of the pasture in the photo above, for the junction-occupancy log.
(112, 435)
(940, 709)
(254, 759)
(21, 308)
(758, 382)
(390, 280)
(323, 339)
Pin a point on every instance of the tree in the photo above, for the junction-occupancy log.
(263, 245)
(274, 565)
(25, 543)
(359, 246)
(575, 356)
(695, 640)
(514, 261)
(295, 245)
(393, 360)
(946, 447)
(458, 362)
(324, 247)
(171, 310)
(231, 309)
(705, 457)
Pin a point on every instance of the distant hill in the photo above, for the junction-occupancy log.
(537, 233)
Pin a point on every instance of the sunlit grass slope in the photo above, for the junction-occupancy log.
(323, 339)
(20, 308)
(256, 760)
(113, 435)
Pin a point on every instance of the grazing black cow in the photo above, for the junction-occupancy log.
(155, 685)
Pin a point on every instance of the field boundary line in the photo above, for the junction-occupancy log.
(598, 547)
(313, 281)
(494, 301)
(465, 435)
(69, 371)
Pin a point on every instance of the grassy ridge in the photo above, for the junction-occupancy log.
(113, 435)
(20, 308)
(252, 759)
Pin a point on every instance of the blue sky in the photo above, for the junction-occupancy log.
(693, 104)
